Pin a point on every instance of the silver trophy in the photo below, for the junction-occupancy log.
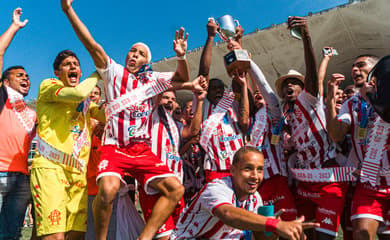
(227, 27)
(237, 59)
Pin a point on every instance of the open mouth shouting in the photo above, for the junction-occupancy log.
(73, 78)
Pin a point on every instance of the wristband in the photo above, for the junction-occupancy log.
(270, 224)
(181, 57)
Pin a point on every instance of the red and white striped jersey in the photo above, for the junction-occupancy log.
(198, 220)
(351, 113)
(308, 128)
(274, 163)
(224, 142)
(134, 122)
(165, 146)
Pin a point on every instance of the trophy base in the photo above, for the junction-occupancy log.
(237, 60)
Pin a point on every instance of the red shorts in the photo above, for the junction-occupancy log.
(374, 203)
(275, 191)
(323, 202)
(147, 202)
(211, 175)
(137, 159)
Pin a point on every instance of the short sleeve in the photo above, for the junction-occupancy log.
(49, 89)
(307, 98)
(108, 73)
(164, 77)
(215, 195)
(344, 114)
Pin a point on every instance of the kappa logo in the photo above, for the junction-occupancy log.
(163, 228)
(103, 165)
(327, 221)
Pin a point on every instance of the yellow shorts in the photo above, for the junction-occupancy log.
(60, 199)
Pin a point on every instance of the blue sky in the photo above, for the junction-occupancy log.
(116, 24)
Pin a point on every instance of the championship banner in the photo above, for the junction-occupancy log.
(376, 148)
(55, 155)
(337, 174)
(259, 127)
(137, 95)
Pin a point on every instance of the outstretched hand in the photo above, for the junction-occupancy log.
(239, 77)
(333, 85)
(180, 42)
(327, 52)
(16, 18)
(239, 33)
(200, 86)
(294, 229)
(66, 4)
(297, 22)
(212, 27)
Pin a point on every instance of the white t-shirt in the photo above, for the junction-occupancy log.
(135, 121)
(308, 131)
(198, 219)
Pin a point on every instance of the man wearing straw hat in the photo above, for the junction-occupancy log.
(315, 168)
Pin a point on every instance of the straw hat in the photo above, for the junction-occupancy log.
(291, 74)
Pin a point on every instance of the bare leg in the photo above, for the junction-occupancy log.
(74, 235)
(54, 236)
(171, 192)
(102, 205)
(364, 228)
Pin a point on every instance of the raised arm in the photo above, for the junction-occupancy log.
(337, 129)
(205, 59)
(55, 92)
(97, 53)
(9, 34)
(265, 89)
(311, 78)
(326, 55)
(243, 116)
(194, 128)
(182, 73)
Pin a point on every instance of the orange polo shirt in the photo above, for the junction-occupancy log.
(14, 142)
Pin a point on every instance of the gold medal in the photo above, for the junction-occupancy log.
(275, 139)
(362, 133)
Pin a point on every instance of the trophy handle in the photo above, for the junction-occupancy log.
(222, 36)
(237, 22)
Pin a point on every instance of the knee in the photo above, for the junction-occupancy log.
(175, 190)
(107, 192)
(179, 191)
(361, 234)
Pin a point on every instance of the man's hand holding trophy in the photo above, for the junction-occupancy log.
(230, 31)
